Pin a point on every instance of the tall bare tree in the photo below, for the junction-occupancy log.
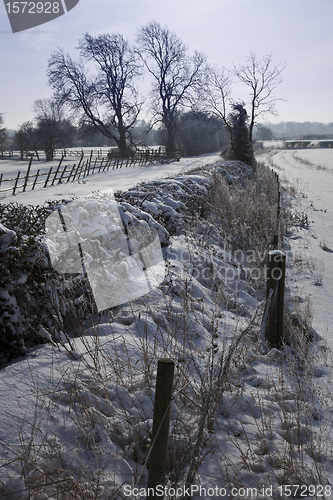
(262, 76)
(215, 94)
(175, 74)
(108, 99)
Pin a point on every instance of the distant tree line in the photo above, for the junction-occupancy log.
(191, 107)
(301, 130)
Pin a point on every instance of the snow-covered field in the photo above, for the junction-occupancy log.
(76, 417)
(310, 173)
(321, 159)
(121, 179)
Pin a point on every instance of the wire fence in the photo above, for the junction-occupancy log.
(269, 314)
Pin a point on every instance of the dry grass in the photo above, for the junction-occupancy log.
(275, 426)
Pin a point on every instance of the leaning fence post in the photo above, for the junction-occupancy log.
(76, 171)
(36, 177)
(62, 174)
(55, 175)
(27, 176)
(101, 165)
(275, 287)
(93, 170)
(73, 167)
(16, 182)
(47, 178)
(161, 424)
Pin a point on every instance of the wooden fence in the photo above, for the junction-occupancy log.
(304, 144)
(83, 168)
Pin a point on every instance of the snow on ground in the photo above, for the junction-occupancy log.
(310, 174)
(121, 179)
(321, 159)
(77, 417)
(273, 144)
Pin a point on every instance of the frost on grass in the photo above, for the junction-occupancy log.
(242, 415)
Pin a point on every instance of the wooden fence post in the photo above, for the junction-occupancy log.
(93, 170)
(17, 179)
(27, 176)
(79, 173)
(76, 172)
(161, 424)
(36, 177)
(86, 169)
(62, 174)
(55, 175)
(275, 286)
(275, 242)
(68, 178)
(82, 166)
(47, 178)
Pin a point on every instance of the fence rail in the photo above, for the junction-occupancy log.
(83, 168)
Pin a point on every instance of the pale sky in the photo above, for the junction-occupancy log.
(297, 32)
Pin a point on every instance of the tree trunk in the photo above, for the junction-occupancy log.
(171, 143)
(122, 144)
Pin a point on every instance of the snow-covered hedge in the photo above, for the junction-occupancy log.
(24, 272)
(37, 304)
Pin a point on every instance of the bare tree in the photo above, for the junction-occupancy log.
(108, 99)
(26, 139)
(215, 94)
(262, 76)
(53, 130)
(175, 74)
